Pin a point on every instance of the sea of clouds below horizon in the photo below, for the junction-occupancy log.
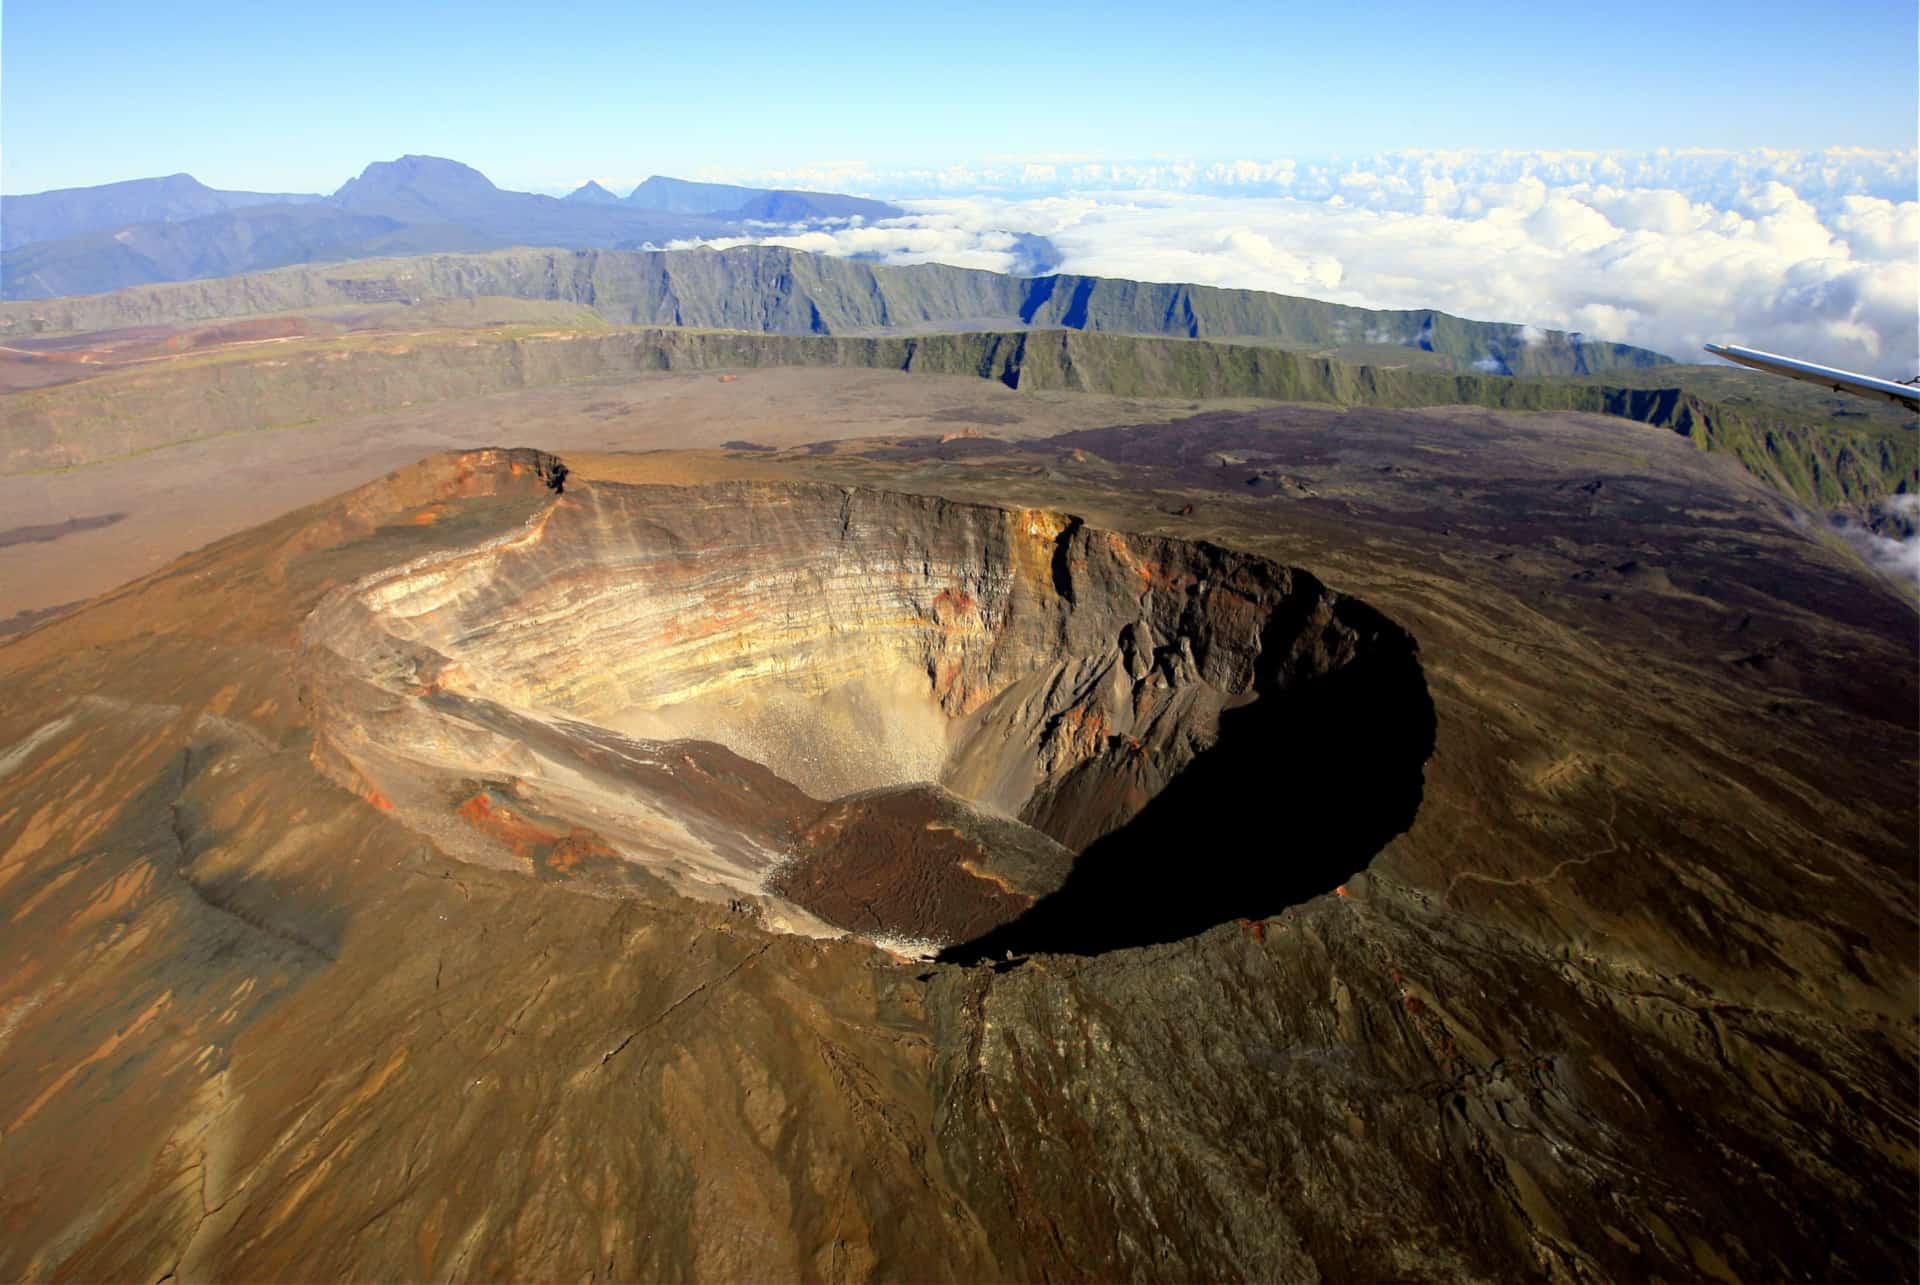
(1816, 254)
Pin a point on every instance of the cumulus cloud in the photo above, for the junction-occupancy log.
(1813, 254)
(1898, 554)
(1444, 182)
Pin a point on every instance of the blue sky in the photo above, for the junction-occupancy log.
(287, 98)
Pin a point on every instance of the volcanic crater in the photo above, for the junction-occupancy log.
(968, 729)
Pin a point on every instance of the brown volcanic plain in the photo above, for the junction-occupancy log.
(127, 515)
(348, 933)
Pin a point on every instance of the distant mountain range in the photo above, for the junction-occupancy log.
(49, 216)
(774, 290)
(96, 239)
(219, 246)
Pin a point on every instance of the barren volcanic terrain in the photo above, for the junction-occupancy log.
(74, 532)
(1261, 841)
(121, 449)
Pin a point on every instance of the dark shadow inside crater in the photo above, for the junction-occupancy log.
(1303, 786)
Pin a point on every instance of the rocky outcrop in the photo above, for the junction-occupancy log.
(1096, 690)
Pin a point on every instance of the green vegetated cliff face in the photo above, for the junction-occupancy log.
(1825, 462)
(780, 291)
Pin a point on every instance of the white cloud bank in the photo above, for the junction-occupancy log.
(1813, 254)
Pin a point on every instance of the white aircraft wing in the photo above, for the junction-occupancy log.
(1840, 381)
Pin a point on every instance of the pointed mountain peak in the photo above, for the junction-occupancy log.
(591, 193)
